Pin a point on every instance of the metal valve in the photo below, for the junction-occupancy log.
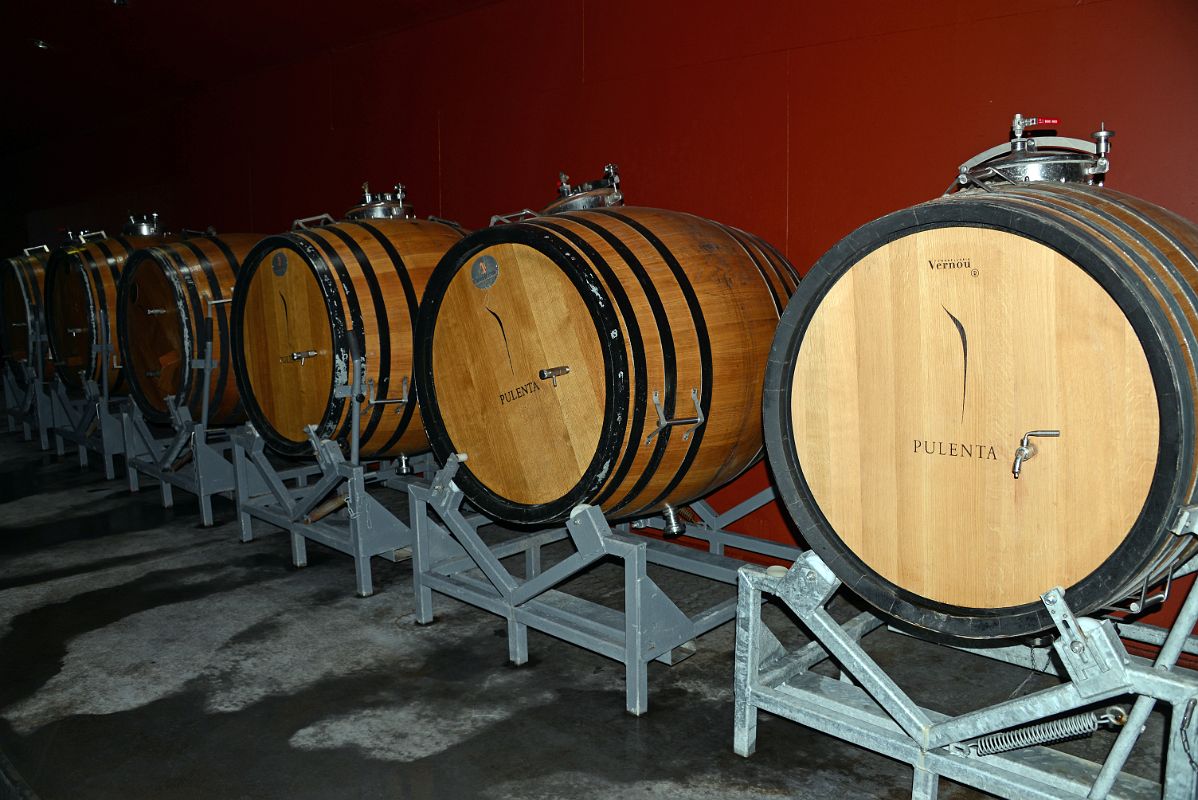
(553, 373)
(303, 355)
(1027, 449)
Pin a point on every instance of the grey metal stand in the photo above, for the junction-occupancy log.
(327, 502)
(451, 558)
(20, 397)
(994, 749)
(26, 391)
(90, 423)
(194, 458)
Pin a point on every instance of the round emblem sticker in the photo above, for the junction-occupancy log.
(279, 263)
(484, 272)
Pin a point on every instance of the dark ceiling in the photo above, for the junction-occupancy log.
(142, 50)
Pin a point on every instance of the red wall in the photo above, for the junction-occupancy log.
(796, 120)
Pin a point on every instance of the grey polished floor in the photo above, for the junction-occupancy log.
(144, 656)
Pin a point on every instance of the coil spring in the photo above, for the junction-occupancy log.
(1057, 730)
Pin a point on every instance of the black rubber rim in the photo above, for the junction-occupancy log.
(615, 362)
(957, 623)
(312, 260)
(154, 256)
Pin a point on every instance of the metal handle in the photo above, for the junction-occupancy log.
(31, 250)
(374, 400)
(518, 216)
(318, 221)
(1027, 450)
(663, 423)
(89, 235)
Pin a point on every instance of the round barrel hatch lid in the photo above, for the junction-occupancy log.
(916, 378)
(158, 348)
(287, 347)
(520, 374)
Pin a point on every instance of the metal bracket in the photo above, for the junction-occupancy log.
(1186, 522)
(808, 584)
(445, 475)
(518, 216)
(372, 395)
(1091, 650)
(319, 221)
(663, 423)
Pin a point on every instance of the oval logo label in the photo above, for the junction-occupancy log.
(484, 272)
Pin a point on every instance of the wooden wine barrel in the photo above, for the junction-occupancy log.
(922, 348)
(22, 280)
(546, 347)
(170, 300)
(81, 287)
(300, 298)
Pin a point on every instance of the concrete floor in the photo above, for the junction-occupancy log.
(144, 656)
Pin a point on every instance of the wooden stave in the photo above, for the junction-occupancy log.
(645, 479)
(951, 623)
(401, 272)
(101, 262)
(198, 268)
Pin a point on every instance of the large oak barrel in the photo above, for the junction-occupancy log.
(81, 288)
(919, 352)
(170, 300)
(22, 281)
(547, 350)
(300, 299)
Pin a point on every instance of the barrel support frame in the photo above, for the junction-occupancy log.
(194, 457)
(27, 399)
(90, 424)
(327, 502)
(451, 558)
(867, 708)
(21, 381)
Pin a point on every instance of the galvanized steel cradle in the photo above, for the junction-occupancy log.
(451, 558)
(866, 707)
(89, 423)
(326, 502)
